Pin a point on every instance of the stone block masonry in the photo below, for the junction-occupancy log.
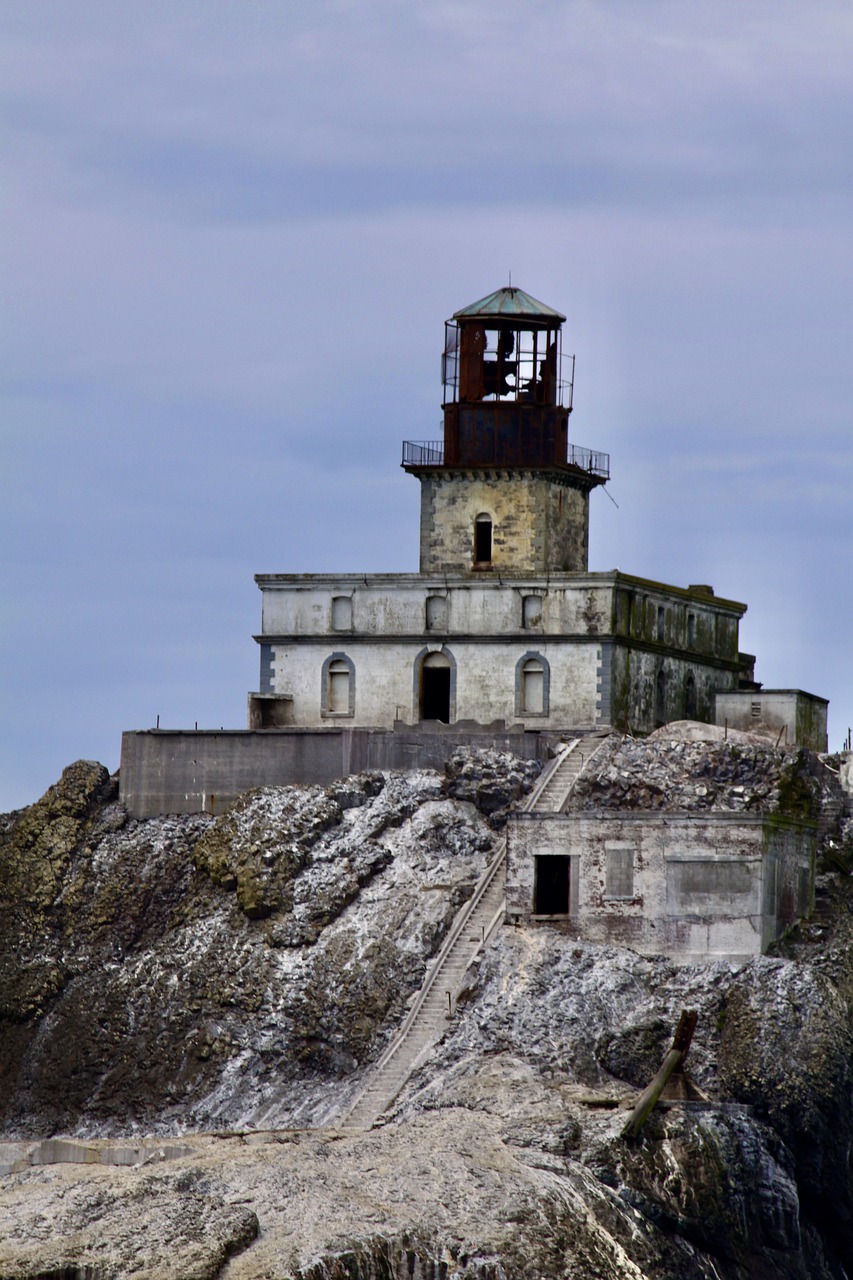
(540, 521)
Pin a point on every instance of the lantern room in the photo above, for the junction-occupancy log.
(507, 383)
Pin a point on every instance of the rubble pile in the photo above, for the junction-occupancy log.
(657, 773)
(491, 780)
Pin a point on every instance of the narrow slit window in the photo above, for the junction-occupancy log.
(690, 697)
(483, 539)
(660, 699)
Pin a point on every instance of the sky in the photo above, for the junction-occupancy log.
(231, 233)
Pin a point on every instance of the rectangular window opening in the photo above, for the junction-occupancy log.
(339, 693)
(531, 611)
(533, 692)
(436, 613)
(341, 613)
(619, 873)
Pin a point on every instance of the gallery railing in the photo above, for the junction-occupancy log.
(430, 453)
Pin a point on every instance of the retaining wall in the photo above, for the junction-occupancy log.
(187, 771)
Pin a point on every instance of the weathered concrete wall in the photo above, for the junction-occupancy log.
(186, 771)
(721, 884)
(603, 640)
(639, 702)
(540, 521)
(790, 714)
(395, 605)
(690, 619)
(485, 680)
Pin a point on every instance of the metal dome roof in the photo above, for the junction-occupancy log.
(508, 303)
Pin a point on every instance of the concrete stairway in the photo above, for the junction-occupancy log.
(570, 760)
(436, 1000)
(435, 1003)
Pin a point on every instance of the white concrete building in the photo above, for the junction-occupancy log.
(504, 624)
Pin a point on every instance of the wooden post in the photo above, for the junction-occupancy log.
(673, 1061)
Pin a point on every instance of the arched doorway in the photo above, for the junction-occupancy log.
(434, 692)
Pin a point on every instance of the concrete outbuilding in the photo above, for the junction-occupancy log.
(685, 885)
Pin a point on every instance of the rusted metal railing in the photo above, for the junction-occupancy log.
(430, 453)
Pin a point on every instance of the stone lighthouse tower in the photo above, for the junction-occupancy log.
(505, 492)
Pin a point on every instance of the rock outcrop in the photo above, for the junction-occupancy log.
(231, 980)
(665, 772)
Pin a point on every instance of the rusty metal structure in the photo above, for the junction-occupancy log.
(508, 389)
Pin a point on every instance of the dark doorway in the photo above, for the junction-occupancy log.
(551, 890)
(435, 689)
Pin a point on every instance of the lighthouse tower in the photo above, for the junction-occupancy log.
(505, 492)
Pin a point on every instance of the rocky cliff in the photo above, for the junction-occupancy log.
(193, 1003)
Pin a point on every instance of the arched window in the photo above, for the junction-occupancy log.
(690, 697)
(337, 686)
(660, 699)
(531, 612)
(532, 685)
(483, 539)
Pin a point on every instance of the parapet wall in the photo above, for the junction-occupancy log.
(185, 771)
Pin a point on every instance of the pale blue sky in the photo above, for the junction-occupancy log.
(231, 234)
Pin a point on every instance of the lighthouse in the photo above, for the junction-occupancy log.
(504, 628)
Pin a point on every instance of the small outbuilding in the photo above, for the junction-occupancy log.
(692, 886)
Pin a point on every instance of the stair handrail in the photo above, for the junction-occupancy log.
(586, 761)
(462, 917)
